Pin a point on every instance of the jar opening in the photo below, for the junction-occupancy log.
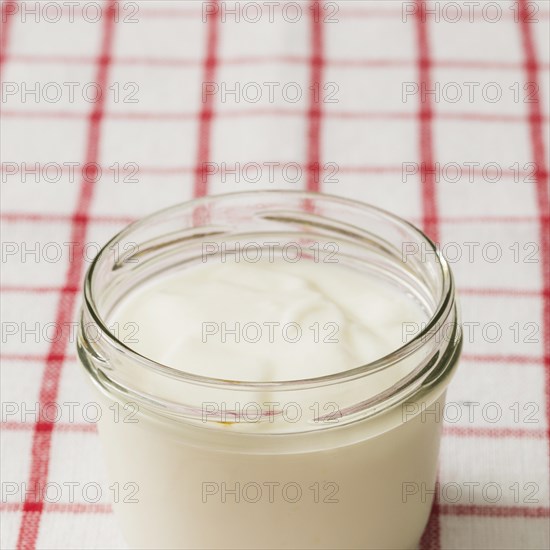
(392, 248)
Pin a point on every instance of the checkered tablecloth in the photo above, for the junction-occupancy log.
(437, 112)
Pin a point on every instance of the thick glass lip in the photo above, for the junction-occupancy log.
(424, 336)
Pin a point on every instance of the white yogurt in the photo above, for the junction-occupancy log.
(268, 321)
(239, 485)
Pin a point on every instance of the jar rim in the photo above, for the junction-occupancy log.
(445, 300)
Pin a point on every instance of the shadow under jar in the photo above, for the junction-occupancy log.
(354, 474)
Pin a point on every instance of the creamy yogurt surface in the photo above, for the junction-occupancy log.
(190, 468)
(267, 321)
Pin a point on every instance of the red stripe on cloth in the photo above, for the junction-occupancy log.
(28, 357)
(508, 292)
(493, 432)
(487, 358)
(315, 98)
(207, 111)
(488, 219)
(37, 289)
(32, 509)
(432, 534)
(275, 112)
(444, 509)
(494, 511)
(67, 508)
(59, 427)
(427, 167)
(9, 8)
(54, 218)
(541, 176)
(24, 217)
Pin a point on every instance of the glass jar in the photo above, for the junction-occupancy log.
(343, 474)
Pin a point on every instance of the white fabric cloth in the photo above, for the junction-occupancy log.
(484, 127)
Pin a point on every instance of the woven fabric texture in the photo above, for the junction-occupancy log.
(435, 111)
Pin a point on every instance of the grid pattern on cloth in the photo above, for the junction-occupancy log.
(349, 111)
